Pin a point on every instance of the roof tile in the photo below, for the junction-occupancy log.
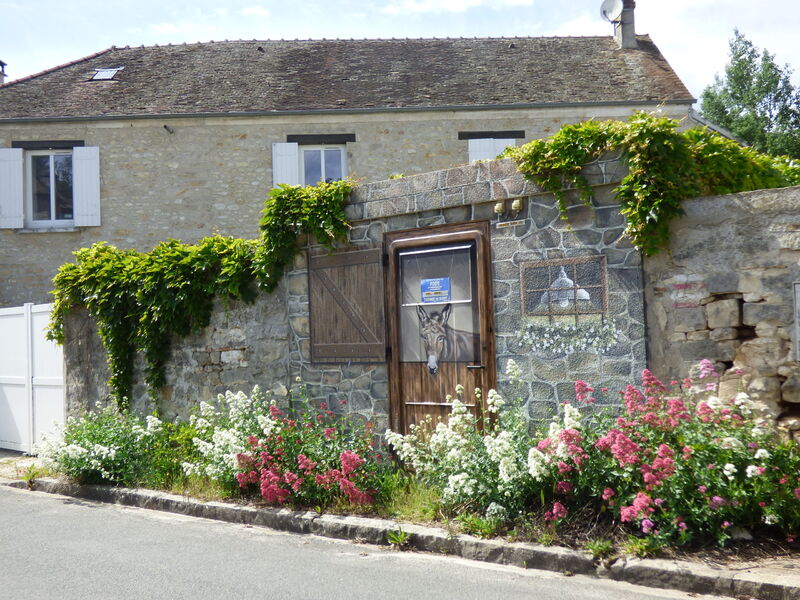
(308, 75)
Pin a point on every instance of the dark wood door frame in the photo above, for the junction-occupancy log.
(480, 233)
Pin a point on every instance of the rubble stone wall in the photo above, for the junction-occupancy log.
(723, 290)
(267, 343)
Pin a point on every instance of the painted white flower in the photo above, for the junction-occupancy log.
(729, 470)
(751, 471)
(762, 453)
(714, 402)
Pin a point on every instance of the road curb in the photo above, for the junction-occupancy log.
(669, 574)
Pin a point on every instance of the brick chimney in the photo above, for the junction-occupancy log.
(2, 72)
(625, 29)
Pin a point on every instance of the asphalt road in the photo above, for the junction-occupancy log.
(59, 547)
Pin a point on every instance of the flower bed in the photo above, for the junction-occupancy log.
(671, 465)
(676, 465)
(246, 445)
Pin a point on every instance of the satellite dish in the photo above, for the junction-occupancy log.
(611, 10)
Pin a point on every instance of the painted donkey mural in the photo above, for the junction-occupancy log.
(442, 342)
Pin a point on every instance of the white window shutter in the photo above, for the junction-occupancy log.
(86, 185)
(11, 186)
(285, 163)
(501, 144)
(488, 148)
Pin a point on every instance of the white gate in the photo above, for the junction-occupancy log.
(31, 377)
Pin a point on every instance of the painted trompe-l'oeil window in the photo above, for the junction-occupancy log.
(568, 290)
(564, 306)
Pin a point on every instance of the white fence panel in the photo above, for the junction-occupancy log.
(31, 377)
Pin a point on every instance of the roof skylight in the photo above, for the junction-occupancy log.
(108, 73)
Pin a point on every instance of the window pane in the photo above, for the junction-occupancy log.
(40, 185)
(333, 164)
(63, 184)
(312, 166)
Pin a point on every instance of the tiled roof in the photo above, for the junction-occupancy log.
(264, 76)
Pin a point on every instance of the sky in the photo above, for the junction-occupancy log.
(692, 34)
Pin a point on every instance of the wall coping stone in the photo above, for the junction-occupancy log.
(477, 183)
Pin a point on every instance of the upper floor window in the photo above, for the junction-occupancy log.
(309, 159)
(49, 196)
(49, 184)
(322, 163)
(487, 145)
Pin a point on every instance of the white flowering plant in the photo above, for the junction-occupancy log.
(477, 463)
(568, 337)
(222, 430)
(109, 446)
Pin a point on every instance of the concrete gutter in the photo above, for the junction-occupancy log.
(763, 583)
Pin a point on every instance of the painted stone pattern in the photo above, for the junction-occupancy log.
(724, 291)
(268, 343)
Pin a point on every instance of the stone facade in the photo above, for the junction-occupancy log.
(188, 177)
(268, 343)
(723, 291)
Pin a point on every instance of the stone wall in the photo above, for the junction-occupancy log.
(213, 174)
(268, 343)
(723, 291)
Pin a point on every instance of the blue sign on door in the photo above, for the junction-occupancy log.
(435, 290)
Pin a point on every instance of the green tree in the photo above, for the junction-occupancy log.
(756, 100)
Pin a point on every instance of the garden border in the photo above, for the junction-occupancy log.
(657, 573)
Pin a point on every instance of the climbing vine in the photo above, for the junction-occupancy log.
(666, 166)
(140, 300)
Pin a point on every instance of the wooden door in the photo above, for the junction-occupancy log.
(441, 321)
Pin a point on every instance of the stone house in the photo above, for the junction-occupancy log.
(135, 145)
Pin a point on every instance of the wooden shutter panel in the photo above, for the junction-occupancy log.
(285, 163)
(11, 186)
(86, 185)
(488, 148)
(346, 307)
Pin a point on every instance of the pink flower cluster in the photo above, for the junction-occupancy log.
(622, 448)
(641, 507)
(559, 511)
(281, 469)
(277, 483)
(662, 467)
(583, 392)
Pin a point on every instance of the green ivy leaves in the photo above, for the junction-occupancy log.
(665, 165)
(140, 300)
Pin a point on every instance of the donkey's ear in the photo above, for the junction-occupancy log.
(446, 313)
(423, 316)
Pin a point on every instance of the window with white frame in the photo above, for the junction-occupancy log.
(322, 163)
(48, 188)
(47, 185)
(309, 159)
(487, 145)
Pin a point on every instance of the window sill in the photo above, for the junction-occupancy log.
(69, 229)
